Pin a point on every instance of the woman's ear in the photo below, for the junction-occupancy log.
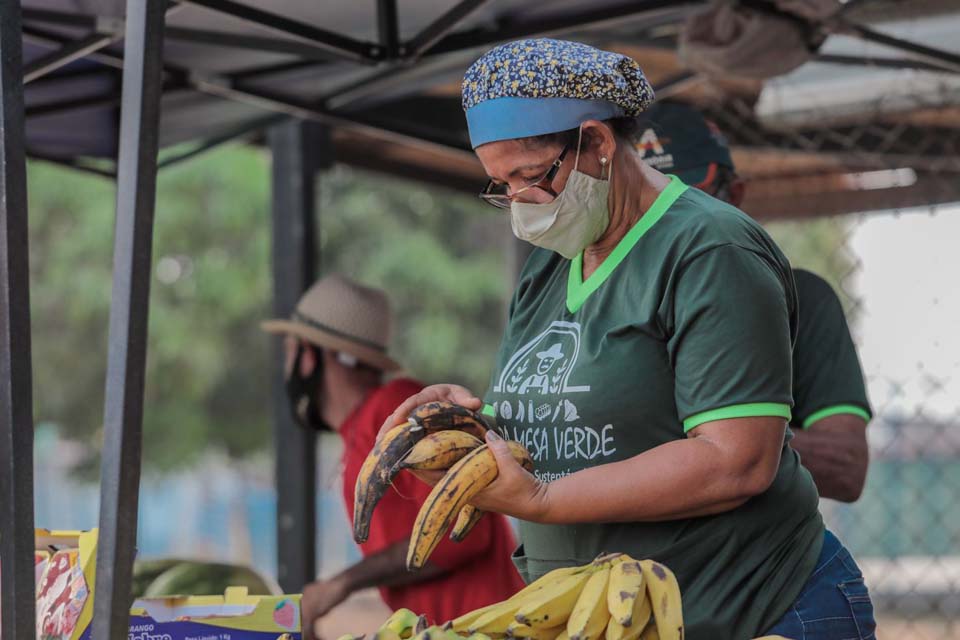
(601, 139)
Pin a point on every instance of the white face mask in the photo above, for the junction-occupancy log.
(572, 222)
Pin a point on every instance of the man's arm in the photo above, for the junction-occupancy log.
(834, 450)
(386, 568)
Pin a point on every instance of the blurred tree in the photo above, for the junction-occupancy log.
(435, 253)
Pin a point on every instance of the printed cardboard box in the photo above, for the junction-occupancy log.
(233, 616)
(66, 563)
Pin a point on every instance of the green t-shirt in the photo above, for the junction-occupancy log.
(690, 319)
(827, 378)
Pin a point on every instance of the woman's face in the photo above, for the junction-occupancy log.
(520, 164)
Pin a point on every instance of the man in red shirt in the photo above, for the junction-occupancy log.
(336, 358)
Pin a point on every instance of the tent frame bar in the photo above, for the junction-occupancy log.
(17, 587)
(340, 46)
(129, 312)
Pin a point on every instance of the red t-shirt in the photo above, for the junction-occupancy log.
(480, 571)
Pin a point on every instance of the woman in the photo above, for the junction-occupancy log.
(646, 363)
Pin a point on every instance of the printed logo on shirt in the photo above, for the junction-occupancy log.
(536, 380)
(543, 365)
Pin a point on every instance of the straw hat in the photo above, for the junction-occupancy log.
(339, 314)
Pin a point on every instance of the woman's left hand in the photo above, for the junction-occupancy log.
(515, 492)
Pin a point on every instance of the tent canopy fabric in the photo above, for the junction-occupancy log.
(385, 76)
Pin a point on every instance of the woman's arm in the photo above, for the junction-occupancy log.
(720, 465)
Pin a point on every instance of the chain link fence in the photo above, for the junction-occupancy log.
(869, 200)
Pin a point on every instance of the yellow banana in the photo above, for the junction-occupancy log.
(464, 480)
(590, 614)
(463, 623)
(551, 606)
(467, 519)
(495, 619)
(639, 619)
(665, 599)
(439, 450)
(563, 635)
(517, 630)
(385, 633)
(650, 633)
(626, 585)
(380, 466)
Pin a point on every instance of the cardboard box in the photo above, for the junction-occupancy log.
(233, 616)
(65, 583)
(66, 568)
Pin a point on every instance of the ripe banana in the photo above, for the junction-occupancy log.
(590, 615)
(464, 480)
(552, 605)
(467, 519)
(664, 593)
(380, 466)
(517, 630)
(465, 623)
(495, 618)
(626, 586)
(650, 633)
(439, 450)
(640, 617)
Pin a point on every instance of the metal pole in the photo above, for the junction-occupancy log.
(127, 349)
(297, 147)
(17, 588)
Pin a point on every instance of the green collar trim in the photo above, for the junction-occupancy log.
(577, 290)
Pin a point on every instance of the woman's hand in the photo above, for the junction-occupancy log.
(437, 392)
(515, 492)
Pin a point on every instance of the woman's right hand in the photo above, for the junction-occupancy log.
(437, 392)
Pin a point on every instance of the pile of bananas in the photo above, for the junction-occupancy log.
(613, 597)
(437, 436)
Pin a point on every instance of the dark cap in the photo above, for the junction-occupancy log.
(675, 138)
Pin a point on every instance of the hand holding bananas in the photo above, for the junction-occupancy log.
(443, 436)
(447, 393)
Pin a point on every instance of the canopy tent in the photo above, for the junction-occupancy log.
(106, 86)
(389, 80)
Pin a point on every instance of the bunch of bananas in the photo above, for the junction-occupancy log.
(404, 624)
(383, 462)
(436, 436)
(613, 597)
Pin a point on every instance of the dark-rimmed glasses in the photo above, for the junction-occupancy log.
(498, 193)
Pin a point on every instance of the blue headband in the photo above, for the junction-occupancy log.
(510, 118)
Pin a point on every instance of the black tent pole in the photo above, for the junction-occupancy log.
(299, 149)
(16, 397)
(127, 344)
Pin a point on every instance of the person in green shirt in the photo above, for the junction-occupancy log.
(830, 410)
(646, 364)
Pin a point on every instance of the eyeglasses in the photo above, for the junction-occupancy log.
(498, 193)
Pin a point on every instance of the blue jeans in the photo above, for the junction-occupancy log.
(834, 603)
